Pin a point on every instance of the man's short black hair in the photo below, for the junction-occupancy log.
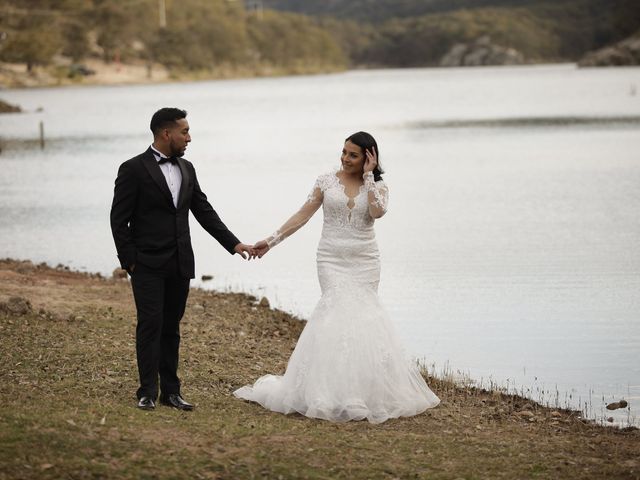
(164, 117)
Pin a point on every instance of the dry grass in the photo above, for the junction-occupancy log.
(68, 405)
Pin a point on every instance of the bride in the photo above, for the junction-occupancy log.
(348, 363)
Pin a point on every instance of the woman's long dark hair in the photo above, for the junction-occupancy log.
(366, 142)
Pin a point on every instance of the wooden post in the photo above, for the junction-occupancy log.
(41, 134)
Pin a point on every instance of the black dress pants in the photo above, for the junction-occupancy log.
(161, 296)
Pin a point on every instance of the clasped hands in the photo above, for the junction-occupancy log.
(249, 252)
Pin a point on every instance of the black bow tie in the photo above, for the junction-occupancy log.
(172, 160)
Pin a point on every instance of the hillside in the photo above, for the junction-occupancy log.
(419, 32)
(190, 38)
(53, 42)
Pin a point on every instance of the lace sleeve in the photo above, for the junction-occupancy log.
(301, 217)
(378, 194)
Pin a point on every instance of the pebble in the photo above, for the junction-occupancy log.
(197, 308)
(525, 414)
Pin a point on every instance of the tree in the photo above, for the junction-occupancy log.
(31, 39)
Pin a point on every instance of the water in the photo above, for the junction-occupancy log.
(510, 251)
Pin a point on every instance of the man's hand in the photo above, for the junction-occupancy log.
(261, 248)
(245, 251)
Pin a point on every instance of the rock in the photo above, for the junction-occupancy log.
(16, 306)
(525, 414)
(453, 58)
(480, 52)
(206, 278)
(8, 108)
(264, 303)
(626, 52)
(119, 274)
(476, 57)
(197, 308)
(617, 405)
(508, 56)
(79, 70)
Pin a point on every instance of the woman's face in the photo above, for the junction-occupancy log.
(352, 158)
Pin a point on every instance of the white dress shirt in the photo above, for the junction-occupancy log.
(172, 175)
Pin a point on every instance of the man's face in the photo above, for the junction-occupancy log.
(179, 137)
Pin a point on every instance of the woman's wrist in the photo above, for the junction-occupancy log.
(273, 239)
(369, 181)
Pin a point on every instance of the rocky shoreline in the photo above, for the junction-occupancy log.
(8, 108)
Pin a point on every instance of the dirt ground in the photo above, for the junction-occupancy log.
(68, 403)
(16, 76)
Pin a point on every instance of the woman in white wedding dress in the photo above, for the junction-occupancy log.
(348, 363)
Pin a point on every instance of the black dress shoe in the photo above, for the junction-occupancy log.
(175, 400)
(146, 403)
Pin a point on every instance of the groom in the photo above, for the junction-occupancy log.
(153, 195)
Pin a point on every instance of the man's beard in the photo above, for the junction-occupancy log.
(175, 151)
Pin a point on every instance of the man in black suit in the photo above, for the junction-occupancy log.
(153, 195)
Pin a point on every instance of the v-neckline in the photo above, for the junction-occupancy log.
(343, 188)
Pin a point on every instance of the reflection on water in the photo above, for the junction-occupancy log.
(531, 122)
(510, 249)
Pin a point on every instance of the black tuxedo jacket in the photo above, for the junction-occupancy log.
(147, 228)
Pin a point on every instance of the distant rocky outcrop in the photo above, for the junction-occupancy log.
(480, 52)
(8, 108)
(626, 52)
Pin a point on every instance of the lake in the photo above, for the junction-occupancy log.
(510, 252)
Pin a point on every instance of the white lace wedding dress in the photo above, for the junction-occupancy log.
(348, 363)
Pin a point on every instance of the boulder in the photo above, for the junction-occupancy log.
(454, 57)
(479, 53)
(626, 52)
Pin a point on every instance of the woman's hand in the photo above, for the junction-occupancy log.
(261, 248)
(371, 160)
